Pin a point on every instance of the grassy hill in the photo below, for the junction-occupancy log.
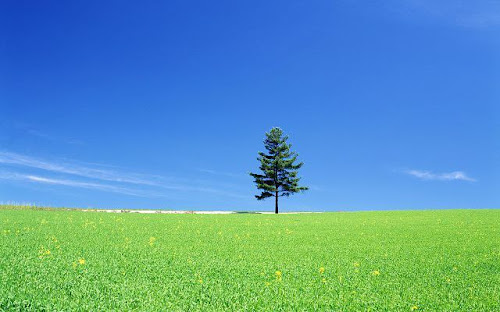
(398, 261)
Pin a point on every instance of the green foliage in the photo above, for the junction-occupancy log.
(279, 170)
(379, 261)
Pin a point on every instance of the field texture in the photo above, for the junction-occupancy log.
(370, 261)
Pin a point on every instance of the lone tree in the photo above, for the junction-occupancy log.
(279, 170)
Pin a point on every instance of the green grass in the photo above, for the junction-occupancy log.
(384, 261)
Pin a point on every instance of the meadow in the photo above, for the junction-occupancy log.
(435, 260)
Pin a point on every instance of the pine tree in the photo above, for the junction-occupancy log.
(279, 171)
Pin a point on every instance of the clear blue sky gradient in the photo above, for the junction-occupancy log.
(164, 104)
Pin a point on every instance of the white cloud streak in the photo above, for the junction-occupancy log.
(221, 173)
(107, 175)
(447, 176)
(67, 168)
(72, 183)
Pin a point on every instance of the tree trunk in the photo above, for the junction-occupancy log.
(276, 206)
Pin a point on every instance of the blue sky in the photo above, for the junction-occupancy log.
(164, 104)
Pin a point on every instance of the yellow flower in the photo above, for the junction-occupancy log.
(321, 270)
(278, 275)
(414, 308)
(376, 273)
(81, 261)
(44, 253)
(356, 264)
(152, 240)
(200, 281)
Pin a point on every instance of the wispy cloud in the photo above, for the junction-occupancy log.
(447, 176)
(19, 128)
(12, 176)
(135, 183)
(221, 173)
(53, 138)
(74, 169)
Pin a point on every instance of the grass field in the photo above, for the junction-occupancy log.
(381, 261)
